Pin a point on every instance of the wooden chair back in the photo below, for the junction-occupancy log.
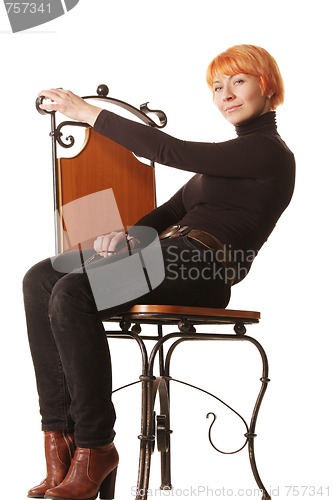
(104, 188)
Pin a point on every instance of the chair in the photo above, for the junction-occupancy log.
(104, 166)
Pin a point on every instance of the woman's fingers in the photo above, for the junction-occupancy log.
(108, 243)
(70, 105)
(63, 101)
(118, 241)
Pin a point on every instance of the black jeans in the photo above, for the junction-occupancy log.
(67, 339)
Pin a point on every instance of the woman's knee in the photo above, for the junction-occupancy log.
(36, 276)
(71, 293)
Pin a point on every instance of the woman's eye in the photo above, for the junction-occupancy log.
(237, 82)
(217, 89)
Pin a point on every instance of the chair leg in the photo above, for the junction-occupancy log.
(251, 434)
(147, 415)
(150, 388)
(147, 437)
(265, 494)
(163, 433)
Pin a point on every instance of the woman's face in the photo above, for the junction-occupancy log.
(239, 97)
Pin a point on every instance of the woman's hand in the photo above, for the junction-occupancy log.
(107, 244)
(70, 105)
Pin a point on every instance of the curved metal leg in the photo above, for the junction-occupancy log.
(147, 436)
(264, 382)
(147, 431)
(151, 387)
(163, 430)
(250, 435)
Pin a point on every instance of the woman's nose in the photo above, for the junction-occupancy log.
(227, 94)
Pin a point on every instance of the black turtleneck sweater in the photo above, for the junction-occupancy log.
(240, 187)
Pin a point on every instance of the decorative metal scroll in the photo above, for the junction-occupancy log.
(144, 113)
(214, 417)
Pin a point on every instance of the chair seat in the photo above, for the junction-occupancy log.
(170, 314)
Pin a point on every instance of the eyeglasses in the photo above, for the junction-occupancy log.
(131, 243)
(92, 257)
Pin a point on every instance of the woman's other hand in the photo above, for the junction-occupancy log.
(70, 105)
(107, 244)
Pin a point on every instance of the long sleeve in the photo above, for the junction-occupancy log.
(240, 187)
(233, 158)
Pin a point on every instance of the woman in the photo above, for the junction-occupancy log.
(228, 208)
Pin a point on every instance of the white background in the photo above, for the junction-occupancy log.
(158, 51)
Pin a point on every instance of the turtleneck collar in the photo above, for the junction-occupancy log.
(261, 123)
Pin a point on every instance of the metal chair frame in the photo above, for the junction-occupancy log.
(155, 429)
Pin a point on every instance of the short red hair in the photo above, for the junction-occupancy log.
(251, 60)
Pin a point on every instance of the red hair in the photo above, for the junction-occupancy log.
(251, 60)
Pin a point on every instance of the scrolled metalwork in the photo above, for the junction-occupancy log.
(144, 114)
(159, 113)
(247, 435)
(58, 134)
(211, 413)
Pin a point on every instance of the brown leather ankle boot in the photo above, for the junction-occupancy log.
(92, 470)
(59, 450)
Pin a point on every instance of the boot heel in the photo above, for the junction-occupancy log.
(106, 491)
